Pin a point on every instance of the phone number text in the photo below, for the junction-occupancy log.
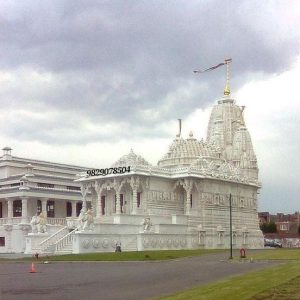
(107, 171)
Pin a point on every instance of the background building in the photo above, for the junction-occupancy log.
(286, 229)
(28, 187)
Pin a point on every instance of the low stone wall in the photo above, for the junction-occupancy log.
(86, 242)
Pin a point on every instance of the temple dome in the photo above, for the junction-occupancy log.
(184, 152)
(131, 159)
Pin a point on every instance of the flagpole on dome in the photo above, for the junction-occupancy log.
(227, 86)
(226, 62)
(178, 135)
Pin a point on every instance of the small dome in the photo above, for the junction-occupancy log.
(184, 152)
(131, 159)
(6, 148)
(191, 136)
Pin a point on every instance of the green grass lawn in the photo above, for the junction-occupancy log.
(133, 256)
(276, 254)
(265, 284)
(281, 282)
(287, 291)
(124, 256)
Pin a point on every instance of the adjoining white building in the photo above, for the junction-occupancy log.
(181, 203)
(28, 187)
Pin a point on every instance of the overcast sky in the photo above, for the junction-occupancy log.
(82, 82)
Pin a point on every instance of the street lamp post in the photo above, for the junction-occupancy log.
(230, 225)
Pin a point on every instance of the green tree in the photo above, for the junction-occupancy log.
(263, 227)
(268, 227)
(272, 227)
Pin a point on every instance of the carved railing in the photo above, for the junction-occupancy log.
(65, 240)
(52, 239)
(3, 221)
(13, 220)
(56, 221)
(17, 220)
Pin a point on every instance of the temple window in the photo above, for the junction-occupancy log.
(121, 202)
(201, 238)
(50, 209)
(78, 208)
(45, 185)
(39, 206)
(68, 209)
(2, 241)
(234, 235)
(245, 236)
(191, 200)
(103, 205)
(138, 199)
(73, 188)
(17, 208)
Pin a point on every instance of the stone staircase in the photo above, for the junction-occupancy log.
(59, 243)
(47, 245)
(64, 245)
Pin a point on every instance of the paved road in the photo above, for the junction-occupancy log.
(115, 280)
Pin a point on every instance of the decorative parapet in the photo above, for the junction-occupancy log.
(191, 171)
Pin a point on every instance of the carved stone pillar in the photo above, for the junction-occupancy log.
(44, 206)
(98, 206)
(9, 208)
(118, 186)
(118, 204)
(8, 228)
(84, 190)
(134, 183)
(188, 201)
(74, 209)
(24, 209)
(134, 201)
(188, 186)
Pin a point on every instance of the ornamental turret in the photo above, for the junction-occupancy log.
(243, 155)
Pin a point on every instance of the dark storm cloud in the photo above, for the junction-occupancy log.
(113, 60)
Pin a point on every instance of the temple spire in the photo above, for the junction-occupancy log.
(227, 86)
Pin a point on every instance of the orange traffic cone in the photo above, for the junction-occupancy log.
(32, 269)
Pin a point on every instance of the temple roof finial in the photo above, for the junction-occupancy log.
(227, 86)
